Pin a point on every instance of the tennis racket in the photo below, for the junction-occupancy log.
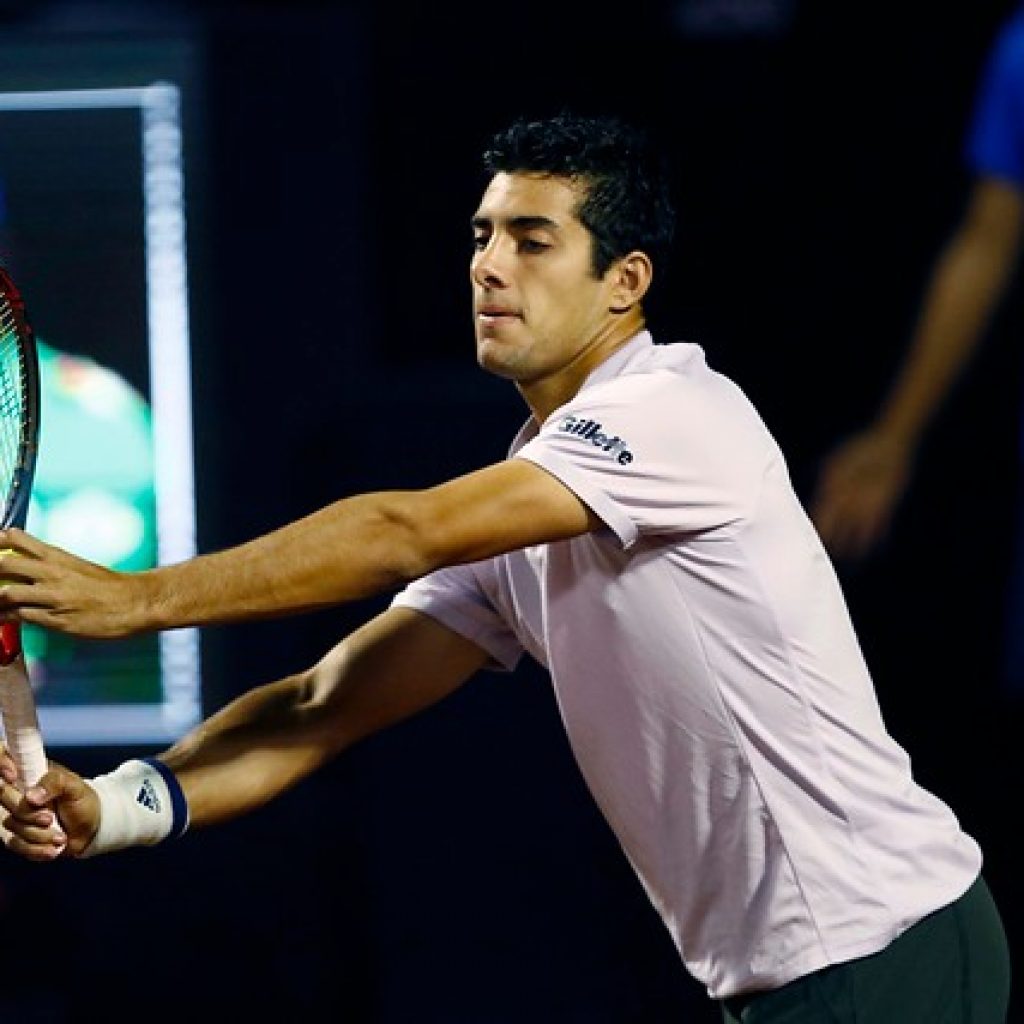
(19, 434)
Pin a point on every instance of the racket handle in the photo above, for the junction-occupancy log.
(21, 723)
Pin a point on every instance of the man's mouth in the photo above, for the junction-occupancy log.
(496, 313)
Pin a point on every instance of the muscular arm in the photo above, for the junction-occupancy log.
(863, 480)
(271, 738)
(351, 549)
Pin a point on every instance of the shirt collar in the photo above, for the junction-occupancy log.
(616, 362)
(606, 370)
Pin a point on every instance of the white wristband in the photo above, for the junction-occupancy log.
(141, 804)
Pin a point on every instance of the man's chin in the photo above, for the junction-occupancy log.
(491, 357)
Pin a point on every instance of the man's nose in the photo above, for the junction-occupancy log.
(488, 268)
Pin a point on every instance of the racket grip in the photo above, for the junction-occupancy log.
(21, 723)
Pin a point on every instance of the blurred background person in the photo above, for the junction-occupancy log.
(863, 480)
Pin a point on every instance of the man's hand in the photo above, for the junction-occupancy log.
(860, 487)
(50, 587)
(58, 816)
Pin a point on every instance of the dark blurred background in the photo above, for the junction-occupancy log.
(454, 869)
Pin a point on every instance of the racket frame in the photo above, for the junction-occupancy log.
(15, 510)
(17, 701)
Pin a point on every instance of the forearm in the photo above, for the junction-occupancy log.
(269, 739)
(966, 287)
(255, 748)
(364, 545)
(965, 290)
(351, 549)
(252, 750)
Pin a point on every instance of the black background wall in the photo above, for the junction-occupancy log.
(454, 870)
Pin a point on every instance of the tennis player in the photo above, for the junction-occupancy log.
(644, 543)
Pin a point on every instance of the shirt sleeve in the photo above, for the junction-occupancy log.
(457, 598)
(995, 139)
(655, 453)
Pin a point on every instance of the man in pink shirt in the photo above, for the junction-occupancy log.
(643, 542)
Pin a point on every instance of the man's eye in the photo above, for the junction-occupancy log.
(533, 245)
(479, 242)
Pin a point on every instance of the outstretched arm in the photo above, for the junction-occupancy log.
(351, 549)
(270, 738)
(863, 480)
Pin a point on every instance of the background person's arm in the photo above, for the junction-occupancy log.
(272, 737)
(863, 480)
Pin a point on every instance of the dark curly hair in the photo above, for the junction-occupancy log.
(628, 202)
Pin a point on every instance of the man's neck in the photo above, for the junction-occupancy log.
(545, 395)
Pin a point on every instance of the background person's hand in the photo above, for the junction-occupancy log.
(860, 486)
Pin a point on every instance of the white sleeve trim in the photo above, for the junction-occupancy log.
(504, 655)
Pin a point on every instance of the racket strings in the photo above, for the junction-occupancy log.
(13, 397)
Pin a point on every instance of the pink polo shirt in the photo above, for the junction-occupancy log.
(710, 681)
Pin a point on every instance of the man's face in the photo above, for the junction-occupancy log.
(536, 302)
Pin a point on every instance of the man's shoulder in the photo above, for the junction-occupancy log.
(671, 372)
(669, 401)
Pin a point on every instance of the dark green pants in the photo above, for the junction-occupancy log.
(951, 968)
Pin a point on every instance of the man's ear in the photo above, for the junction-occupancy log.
(631, 277)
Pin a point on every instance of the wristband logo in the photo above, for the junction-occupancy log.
(592, 431)
(147, 797)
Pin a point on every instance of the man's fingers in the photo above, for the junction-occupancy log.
(38, 613)
(11, 798)
(31, 831)
(32, 555)
(41, 827)
(16, 803)
(27, 561)
(41, 847)
(28, 812)
(8, 769)
(23, 543)
(57, 784)
(16, 597)
(15, 566)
